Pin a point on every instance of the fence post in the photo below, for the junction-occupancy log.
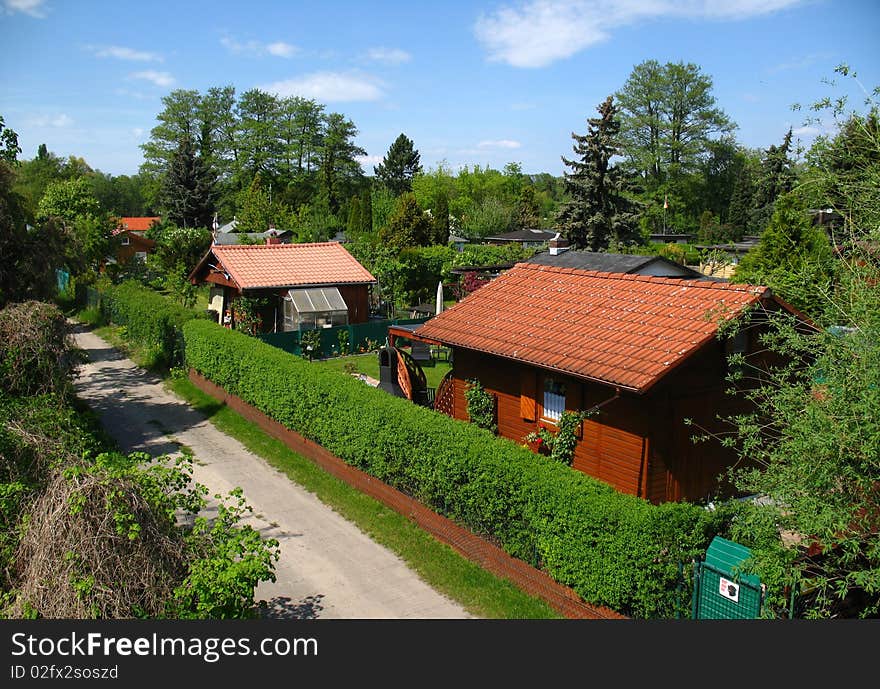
(695, 596)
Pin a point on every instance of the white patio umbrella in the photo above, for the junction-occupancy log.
(439, 306)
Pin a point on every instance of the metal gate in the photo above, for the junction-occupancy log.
(721, 591)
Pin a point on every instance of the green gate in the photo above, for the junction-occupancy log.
(721, 591)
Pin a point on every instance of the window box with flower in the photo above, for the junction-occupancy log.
(559, 445)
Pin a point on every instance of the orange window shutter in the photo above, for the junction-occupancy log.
(527, 404)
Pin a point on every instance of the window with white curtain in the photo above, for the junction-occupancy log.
(554, 399)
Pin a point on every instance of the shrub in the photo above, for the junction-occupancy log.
(86, 533)
(613, 549)
(150, 320)
(36, 356)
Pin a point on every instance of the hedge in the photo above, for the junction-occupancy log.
(150, 319)
(613, 549)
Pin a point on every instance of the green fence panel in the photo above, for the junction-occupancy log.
(358, 334)
(720, 597)
(288, 341)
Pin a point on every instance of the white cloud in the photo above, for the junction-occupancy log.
(258, 48)
(540, 32)
(368, 161)
(814, 129)
(58, 121)
(391, 56)
(34, 8)
(137, 132)
(282, 49)
(499, 143)
(798, 63)
(122, 53)
(329, 87)
(158, 78)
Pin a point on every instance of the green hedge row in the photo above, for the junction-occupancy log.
(150, 320)
(613, 549)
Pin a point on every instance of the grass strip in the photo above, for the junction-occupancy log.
(479, 591)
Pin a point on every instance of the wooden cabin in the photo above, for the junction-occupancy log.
(131, 240)
(301, 286)
(643, 353)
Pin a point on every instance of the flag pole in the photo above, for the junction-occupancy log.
(665, 206)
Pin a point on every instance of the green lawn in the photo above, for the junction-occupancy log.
(368, 364)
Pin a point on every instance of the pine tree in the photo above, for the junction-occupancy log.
(741, 202)
(598, 211)
(777, 179)
(188, 190)
(399, 166)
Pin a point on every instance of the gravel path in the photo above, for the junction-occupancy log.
(328, 567)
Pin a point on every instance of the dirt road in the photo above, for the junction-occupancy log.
(328, 567)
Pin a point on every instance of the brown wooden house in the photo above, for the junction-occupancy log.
(301, 286)
(642, 352)
(131, 239)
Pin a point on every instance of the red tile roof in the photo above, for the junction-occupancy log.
(624, 330)
(290, 265)
(136, 224)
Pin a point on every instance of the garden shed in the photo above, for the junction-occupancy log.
(643, 354)
(293, 286)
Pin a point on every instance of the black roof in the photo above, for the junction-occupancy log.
(526, 235)
(615, 263)
(228, 238)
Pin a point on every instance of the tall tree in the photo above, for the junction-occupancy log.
(776, 179)
(668, 118)
(598, 212)
(30, 256)
(9, 148)
(188, 190)
(340, 170)
(259, 143)
(408, 226)
(440, 221)
(399, 166)
(528, 211)
(742, 201)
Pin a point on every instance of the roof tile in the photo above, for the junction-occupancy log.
(291, 265)
(626, 330)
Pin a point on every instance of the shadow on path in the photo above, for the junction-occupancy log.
(284, 608)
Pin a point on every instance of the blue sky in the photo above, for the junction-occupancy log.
(469, 82)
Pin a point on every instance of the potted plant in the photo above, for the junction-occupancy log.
(541, 440)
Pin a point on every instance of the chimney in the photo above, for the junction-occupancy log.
(558, 245)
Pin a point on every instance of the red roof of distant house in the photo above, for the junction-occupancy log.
(288, 265)
(136, 224)
(624, 330)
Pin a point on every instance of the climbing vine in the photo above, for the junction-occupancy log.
(480, 405)
(562, 443)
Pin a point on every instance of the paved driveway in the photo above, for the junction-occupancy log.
(328, 567)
